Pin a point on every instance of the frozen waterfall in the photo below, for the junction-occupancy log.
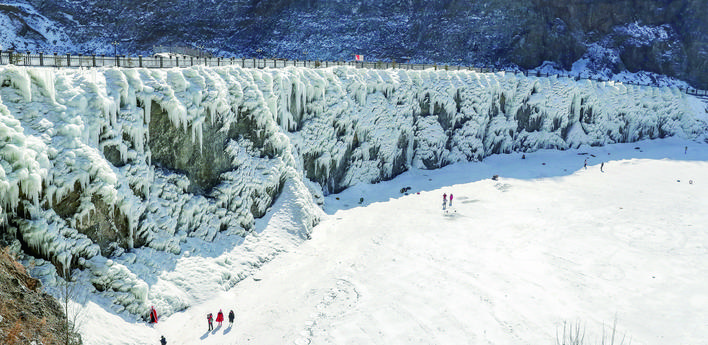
(96, 162)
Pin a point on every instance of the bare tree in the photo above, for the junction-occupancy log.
(73, 314)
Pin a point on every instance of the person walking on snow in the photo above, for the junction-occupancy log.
(231, 318)
(450, 199)
(602, 165)
(444, 200)
(220, 317)
(163, 341)
(586, 164)
(210, 318)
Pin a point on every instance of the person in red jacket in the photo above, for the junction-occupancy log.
(210, 318)
(220, 317)
(153, 315)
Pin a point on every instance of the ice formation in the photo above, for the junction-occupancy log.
(81, 182)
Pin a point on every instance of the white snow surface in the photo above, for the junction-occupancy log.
(326, 129)
(512, 260)
(24, 28)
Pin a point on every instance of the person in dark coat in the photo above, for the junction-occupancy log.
(220, 317)
(210, 319)
(163, 341)
(231, 318)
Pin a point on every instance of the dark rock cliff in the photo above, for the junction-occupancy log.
(661, 36)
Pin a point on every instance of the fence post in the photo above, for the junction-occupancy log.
(68, 60)
(41, 59)
(80, 64)
(0, 56)
(140, 61)
(161, 61)
(177, 61)
(191, 60)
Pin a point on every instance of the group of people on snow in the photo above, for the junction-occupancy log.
(602, 165)
(220, 319)
(445, 201)
(210, 318)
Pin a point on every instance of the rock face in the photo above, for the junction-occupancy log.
(27, 314)
(175, 150)
(666, 37)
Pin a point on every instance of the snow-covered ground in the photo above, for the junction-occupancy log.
(548, 242)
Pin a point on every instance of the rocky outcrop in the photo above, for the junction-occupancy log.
(27, 314)
(668, 38)
(175, 150)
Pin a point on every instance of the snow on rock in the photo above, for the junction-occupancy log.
(134, 163)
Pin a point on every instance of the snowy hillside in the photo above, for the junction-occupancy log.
(609, 38)
(24, 28)
(119, 171)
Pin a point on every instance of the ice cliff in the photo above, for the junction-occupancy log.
(95, 163)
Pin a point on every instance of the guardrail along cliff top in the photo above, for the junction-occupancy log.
(180, 60)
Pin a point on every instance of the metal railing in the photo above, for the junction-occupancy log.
(159, 61)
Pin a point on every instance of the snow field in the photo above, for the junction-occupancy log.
(542, 245)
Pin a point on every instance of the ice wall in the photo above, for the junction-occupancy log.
(96, 162)
(367, 125)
